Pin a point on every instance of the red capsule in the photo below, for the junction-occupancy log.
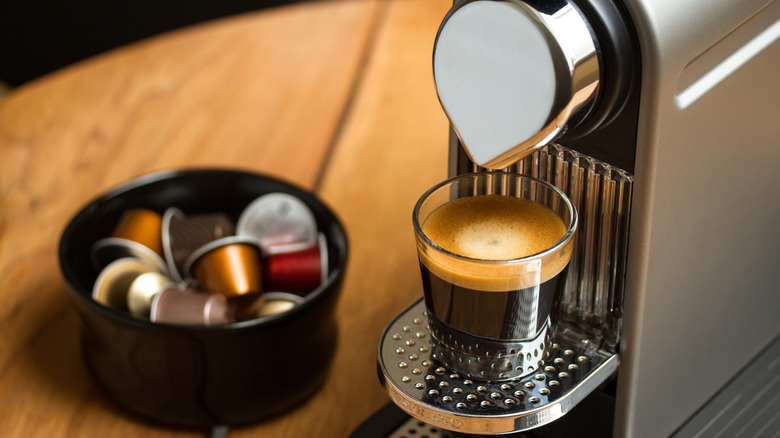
(299, 272)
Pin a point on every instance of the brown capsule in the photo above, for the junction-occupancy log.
(244, 307)
(183, 234)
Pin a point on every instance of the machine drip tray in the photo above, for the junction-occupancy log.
(425, 390)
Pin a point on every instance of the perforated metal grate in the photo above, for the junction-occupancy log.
(431, 393)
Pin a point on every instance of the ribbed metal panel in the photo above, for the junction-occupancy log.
(601, 193)
(748, 407)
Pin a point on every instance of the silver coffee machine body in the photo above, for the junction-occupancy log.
(702, 291)
(666, 129)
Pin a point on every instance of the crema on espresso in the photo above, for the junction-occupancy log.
(494, 227)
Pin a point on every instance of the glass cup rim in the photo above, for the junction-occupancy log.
(570, 230)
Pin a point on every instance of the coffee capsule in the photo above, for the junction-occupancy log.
(141, 225)
(182, 235)
(277, 302)
(280, 222)
(174, 306)
(143, 290)
(113, 283)
(299, 272)
(244, 307)
(107, 250)
(230, 266)
(171, 214)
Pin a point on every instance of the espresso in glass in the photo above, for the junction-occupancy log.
(493, 251)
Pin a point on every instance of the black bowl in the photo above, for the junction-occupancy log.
(231, 374)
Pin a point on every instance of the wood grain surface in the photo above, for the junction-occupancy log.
(334, 96)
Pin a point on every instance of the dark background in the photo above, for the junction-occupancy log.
(40, 36)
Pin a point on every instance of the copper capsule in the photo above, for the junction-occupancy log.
(141, 225)
(230, 266)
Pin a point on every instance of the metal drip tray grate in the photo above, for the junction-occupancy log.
(426, 390)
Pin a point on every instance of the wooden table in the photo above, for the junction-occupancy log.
(335, 96)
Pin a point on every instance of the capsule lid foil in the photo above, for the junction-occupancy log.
(280, 222)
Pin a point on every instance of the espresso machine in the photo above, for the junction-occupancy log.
(659, 120)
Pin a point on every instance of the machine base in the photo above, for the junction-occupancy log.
(592, 418)
(429, 392)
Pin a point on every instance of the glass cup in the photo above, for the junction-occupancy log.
(493, 248)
